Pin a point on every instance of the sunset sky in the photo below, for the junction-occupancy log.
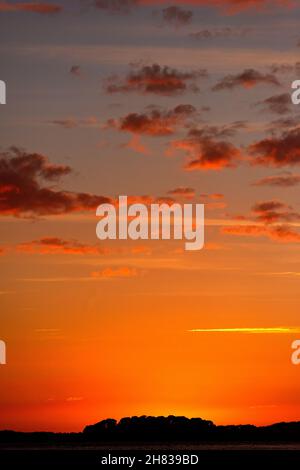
(185, 101)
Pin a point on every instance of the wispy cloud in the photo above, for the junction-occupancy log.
(277, 330)
(33, 7)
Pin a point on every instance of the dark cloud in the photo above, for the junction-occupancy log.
(26, 190)
(277, 151)
(215, 33)
(176, 16)
(115, 6)
(75, 70)
(287, 123)
(273, 211)
(285, 68)
(214, 155)
(277, 104)
(155, 79)
(154, 123)
(220, 132)
(247, 79)
(186, 193)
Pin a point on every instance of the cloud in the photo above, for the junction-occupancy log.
(176, 16)
(285, 68)
(270, 212)
(227, 6)
(215, 33)
(115, 6)
(274, 330)
(220, 132)
(155, 123)
(286, 180)
(277, 104)
(277, 151)
(271, 219)
(72, 123)
(155, 79)
(34, 7)
(25, 189)
(213, 201)
(205, 149)
(137, 146)
(54, 245)
(184, 192)
(207, 154)
(75, 70)
(279, 233)
(249, 78)
(237, 6)
(274, 211)
(287, 123)
(123, 272)
(217, 196)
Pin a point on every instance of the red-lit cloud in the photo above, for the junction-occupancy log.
(123, 272)
(286, 180)
(207, 149)
(277, 151)
(155, 79)
(183, 192)
(270, 212)
(249, 78)
(271, 219)
(54, 245)
(34, 7)
(155, 123)
(278, 233)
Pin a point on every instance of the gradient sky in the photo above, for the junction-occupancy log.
(189, 103)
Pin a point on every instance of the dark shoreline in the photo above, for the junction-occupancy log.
(232, 445)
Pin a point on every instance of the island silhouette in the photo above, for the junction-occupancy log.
(139, 436)
(162, 429)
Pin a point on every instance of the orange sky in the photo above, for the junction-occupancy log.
(103, 329)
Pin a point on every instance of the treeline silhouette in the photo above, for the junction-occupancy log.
(162, 429)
